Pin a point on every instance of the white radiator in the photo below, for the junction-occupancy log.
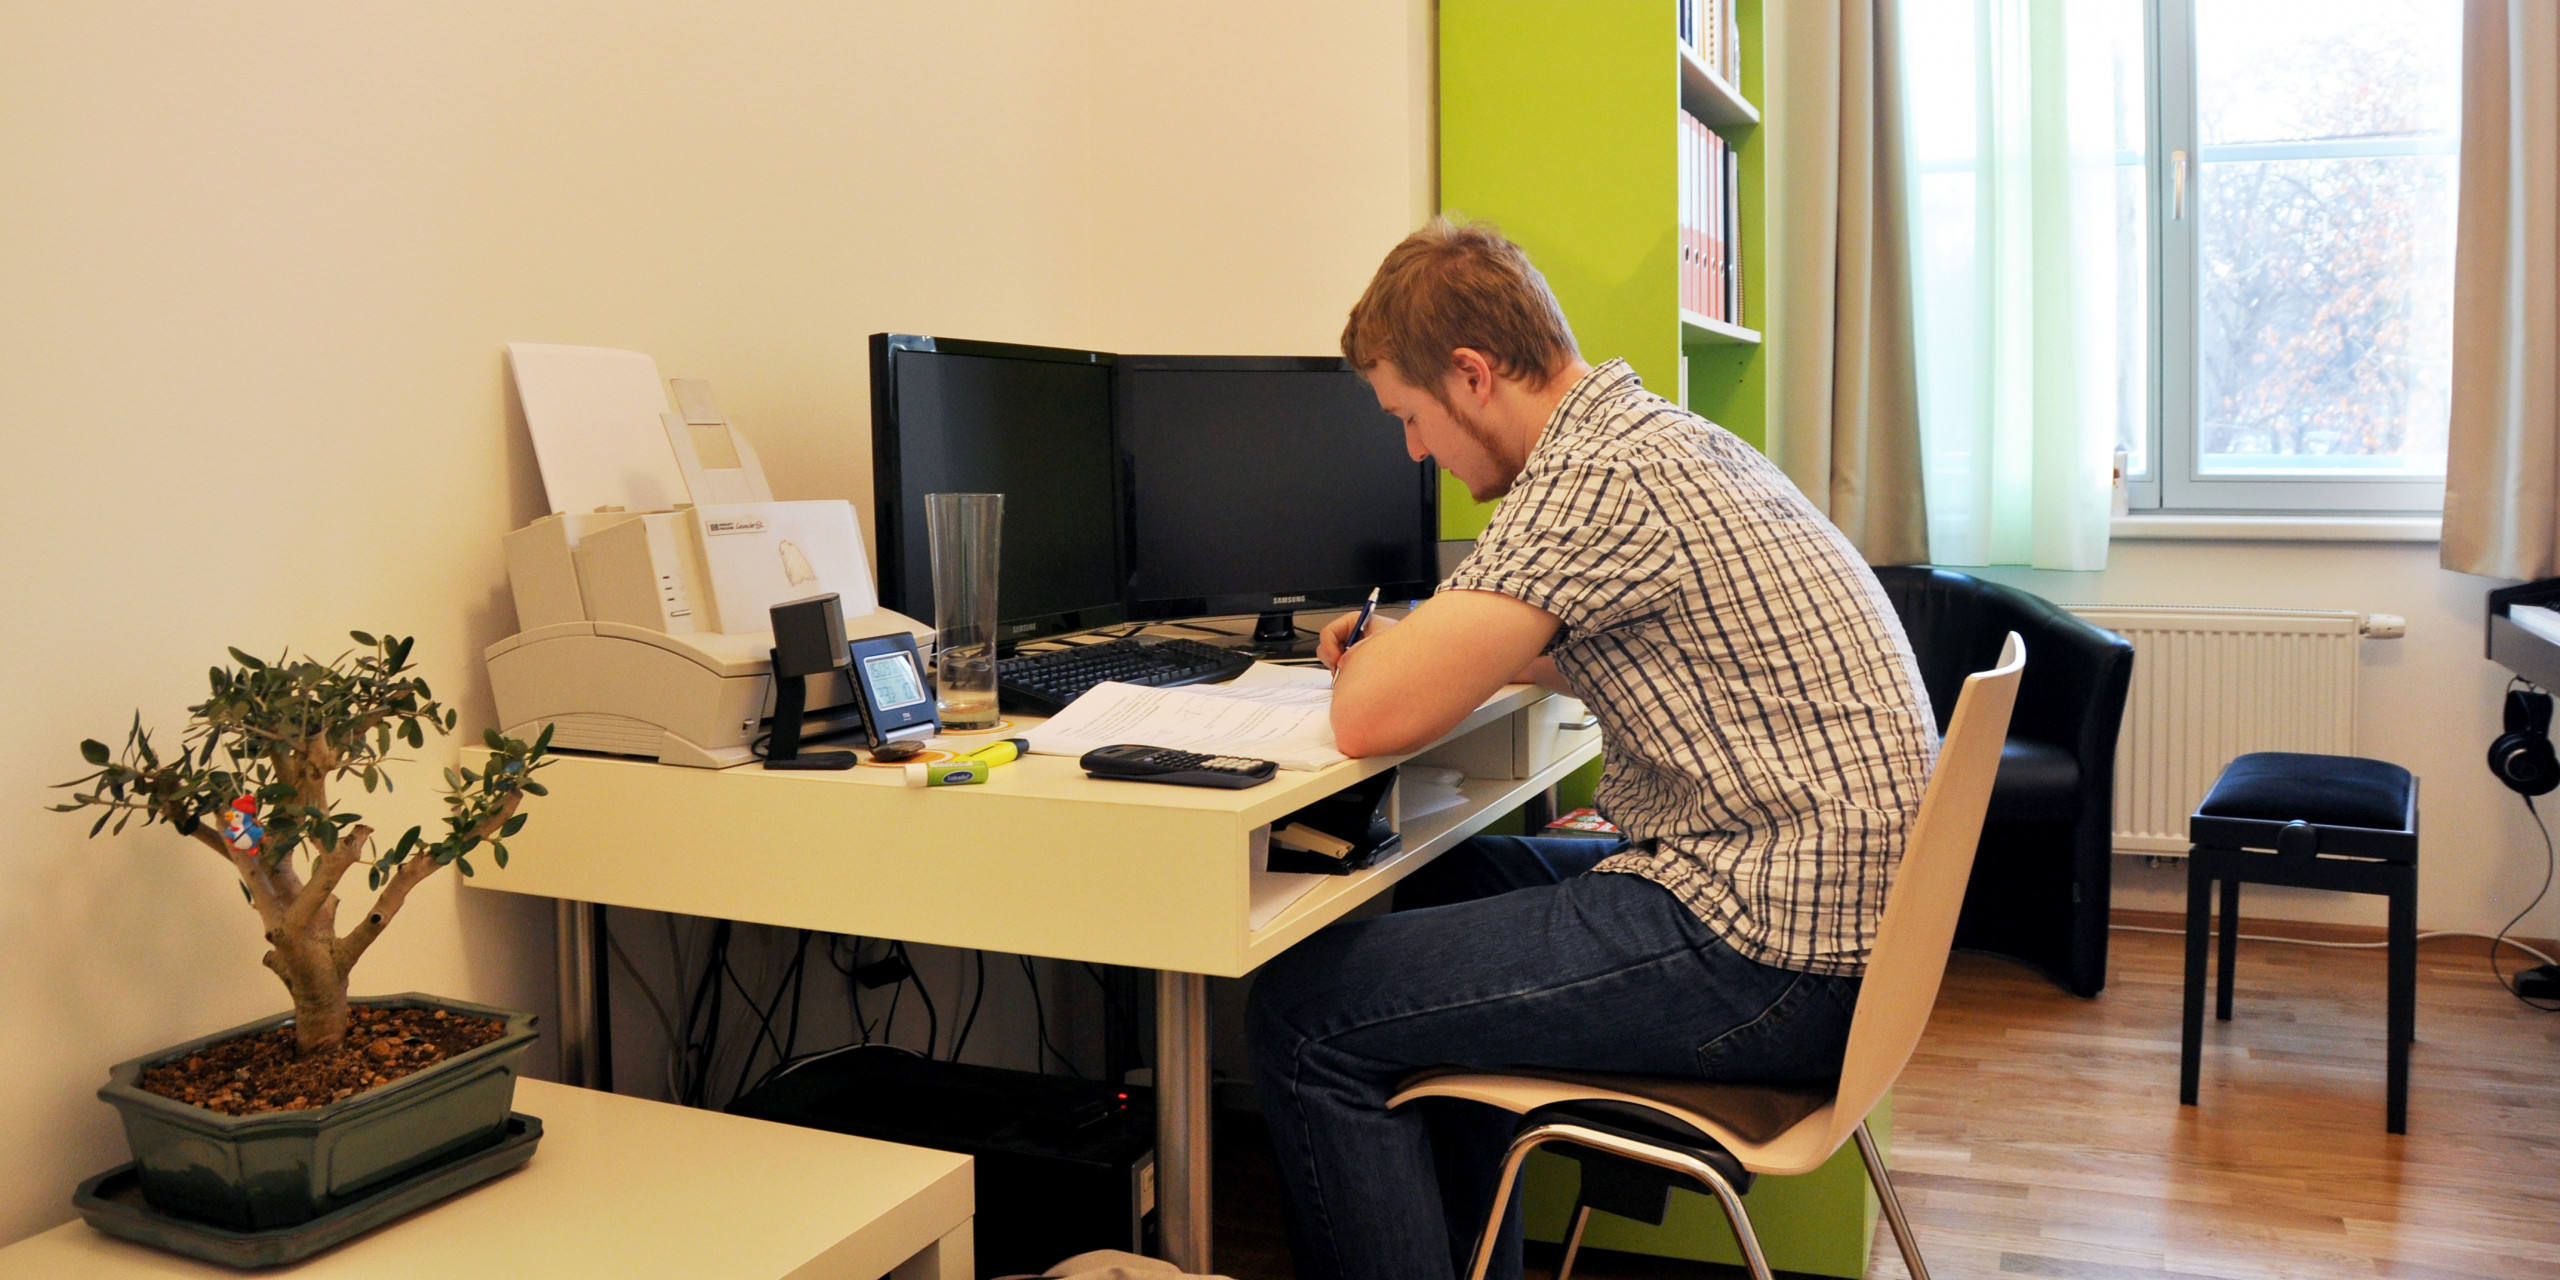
(2210, 684)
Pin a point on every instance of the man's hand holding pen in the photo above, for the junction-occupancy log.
(1343, 632)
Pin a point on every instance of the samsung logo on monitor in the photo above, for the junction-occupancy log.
(1288, 599)
(1021, 627)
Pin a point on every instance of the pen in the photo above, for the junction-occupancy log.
(1361, 627)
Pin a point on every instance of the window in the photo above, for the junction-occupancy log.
(2301, 205)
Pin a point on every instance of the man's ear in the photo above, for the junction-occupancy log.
(1471, 372)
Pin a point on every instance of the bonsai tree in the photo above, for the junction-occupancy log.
(251, 781)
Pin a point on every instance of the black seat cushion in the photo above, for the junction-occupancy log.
(1615, 1184)
(2327, 791)
(2038, 782)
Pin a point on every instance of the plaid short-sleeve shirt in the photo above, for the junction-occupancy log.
(1768, 735)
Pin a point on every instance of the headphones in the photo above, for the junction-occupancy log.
(2522, 757)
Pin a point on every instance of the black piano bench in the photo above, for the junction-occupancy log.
(2313, 822)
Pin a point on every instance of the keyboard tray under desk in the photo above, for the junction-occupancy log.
(1041, 860)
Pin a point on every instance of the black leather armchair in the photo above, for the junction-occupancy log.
(2041, 878)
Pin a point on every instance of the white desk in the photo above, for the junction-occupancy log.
(1042, 860)
(636, 1190)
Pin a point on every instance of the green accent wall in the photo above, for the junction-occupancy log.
(1462, 518)
(1559, 123)
(1575, 789)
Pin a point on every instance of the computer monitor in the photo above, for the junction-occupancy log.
(1031, 423)
(1267, 484)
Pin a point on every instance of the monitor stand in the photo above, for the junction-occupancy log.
(1276, 635)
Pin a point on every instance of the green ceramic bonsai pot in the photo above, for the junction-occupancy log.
(280, 1168)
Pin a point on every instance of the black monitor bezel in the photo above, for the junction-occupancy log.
(888, 519)
(1427, 531)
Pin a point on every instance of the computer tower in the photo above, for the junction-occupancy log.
(1064, 1166)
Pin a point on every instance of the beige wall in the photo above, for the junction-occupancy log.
(257, 262)
(2429, 702)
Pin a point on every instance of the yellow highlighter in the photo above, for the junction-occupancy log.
(970, 769)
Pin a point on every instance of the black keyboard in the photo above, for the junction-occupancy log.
(1041, 684)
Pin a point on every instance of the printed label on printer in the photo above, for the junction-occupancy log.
(733, 524)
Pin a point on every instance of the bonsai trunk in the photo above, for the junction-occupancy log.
(309, 967)
(301, 919)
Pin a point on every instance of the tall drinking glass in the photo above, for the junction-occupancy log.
(964, 528)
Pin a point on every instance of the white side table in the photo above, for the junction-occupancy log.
(633, 1189)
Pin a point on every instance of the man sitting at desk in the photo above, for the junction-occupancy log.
(1768, 741)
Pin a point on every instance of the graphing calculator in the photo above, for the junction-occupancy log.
(1134, 763)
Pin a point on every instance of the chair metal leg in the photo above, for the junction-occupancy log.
(1902, 1237)
(1573, 1244)
(1687, 1166)
(1526, 1142)
(1736, 1216)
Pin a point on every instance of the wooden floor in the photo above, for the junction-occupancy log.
(2040, 1135)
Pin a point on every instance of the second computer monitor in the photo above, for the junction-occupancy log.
(1031, 423)
(1267, 484)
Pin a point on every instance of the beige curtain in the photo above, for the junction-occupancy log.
(2502, 459)
(1844, 397)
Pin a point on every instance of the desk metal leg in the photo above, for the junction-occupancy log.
(585, 1054)
(1182, 1118)
(1538, 812)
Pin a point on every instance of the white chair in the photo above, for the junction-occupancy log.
(1637, 1135)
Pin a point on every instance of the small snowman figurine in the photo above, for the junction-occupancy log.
(241, 830)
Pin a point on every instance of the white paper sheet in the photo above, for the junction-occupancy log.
(1423, 790)
(595, 417)
(1262, 674)
(1289, 723)
(1274, 891)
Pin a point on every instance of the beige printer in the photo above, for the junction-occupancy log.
(643, 598)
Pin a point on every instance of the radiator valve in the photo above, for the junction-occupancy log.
(2385, 626)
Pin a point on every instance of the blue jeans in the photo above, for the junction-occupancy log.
(1502, 953)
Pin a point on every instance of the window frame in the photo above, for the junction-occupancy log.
(2173, 481)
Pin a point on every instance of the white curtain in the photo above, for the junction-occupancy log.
(2502, 462)
(2014, 144)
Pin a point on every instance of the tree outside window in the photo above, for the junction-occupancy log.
(2318, 236)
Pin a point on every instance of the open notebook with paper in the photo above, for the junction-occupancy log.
(1275, 713)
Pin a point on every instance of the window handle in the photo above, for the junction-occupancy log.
(2177, 186)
